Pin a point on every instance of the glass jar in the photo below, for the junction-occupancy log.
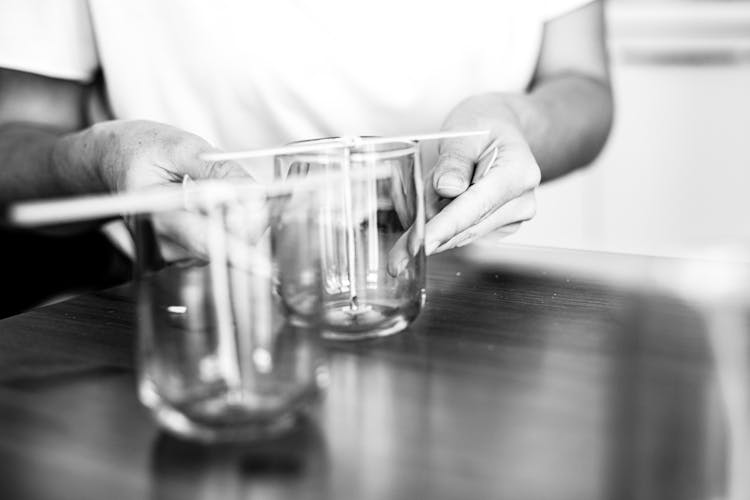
(217, 358)
(370, 236)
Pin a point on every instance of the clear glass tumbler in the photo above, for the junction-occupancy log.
(370, 236)
(217, 358)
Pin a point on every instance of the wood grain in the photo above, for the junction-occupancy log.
(509, 385)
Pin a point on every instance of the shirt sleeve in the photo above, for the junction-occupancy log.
(551, 9)
(49, 37)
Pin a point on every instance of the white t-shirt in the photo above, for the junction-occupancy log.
(244, 73)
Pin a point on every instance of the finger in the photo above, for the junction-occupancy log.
(224, 170)
(502, 232)
(402, 193)
(479, 201)
(181, 235)
(506, 219)
(190, 235)
(433, 202)
(405, 248)
(455, 165)
(398, 257)
(486, 161)
(188, 160)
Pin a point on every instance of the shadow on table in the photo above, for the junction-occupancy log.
(293, 465)
(37, 267)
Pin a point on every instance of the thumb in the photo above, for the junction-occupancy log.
(190, 160)
(217, 169)
(455, 166)
(223, 169)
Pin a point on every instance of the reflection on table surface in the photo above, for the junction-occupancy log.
(509, 385)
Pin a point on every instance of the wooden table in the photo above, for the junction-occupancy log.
(511, 384)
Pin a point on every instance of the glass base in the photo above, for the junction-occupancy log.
(368, 320)
(229, 423)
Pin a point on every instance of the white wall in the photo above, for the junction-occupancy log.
(676, 172)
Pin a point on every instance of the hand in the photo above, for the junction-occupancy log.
(136, 155)
(480, 184)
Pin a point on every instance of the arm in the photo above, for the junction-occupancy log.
(567, 116)
(38, 118)
(46, 150)
(559, 125)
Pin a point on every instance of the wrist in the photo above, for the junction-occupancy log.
(522, 117)
(515, 111)
(504, 114)
(75, 160)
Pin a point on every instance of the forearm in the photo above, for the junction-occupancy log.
(39, 162)
(566, 121)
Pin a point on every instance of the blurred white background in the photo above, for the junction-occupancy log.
(675, 175)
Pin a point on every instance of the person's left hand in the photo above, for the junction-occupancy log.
(480, 184)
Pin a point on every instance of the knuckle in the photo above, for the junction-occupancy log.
(532, 174)
(455, 228)
(509, 229)
(526, 176)
(530, 206)
(485, 208)
(535, 175)
(513, 228)
(461, 239)
(453, 162)
(453, 157)
(467, 236)
(531, 213)
(450, 171)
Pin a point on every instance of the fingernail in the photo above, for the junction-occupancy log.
(451, 185)
(431, 247)
(491, 149)
(485, 164)
(464, 242)
(401, 266)
(396, 269)
(457, 241)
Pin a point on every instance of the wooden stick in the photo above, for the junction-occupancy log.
(424, 137)
(352, 141)
(66, 210)
(160, 199)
